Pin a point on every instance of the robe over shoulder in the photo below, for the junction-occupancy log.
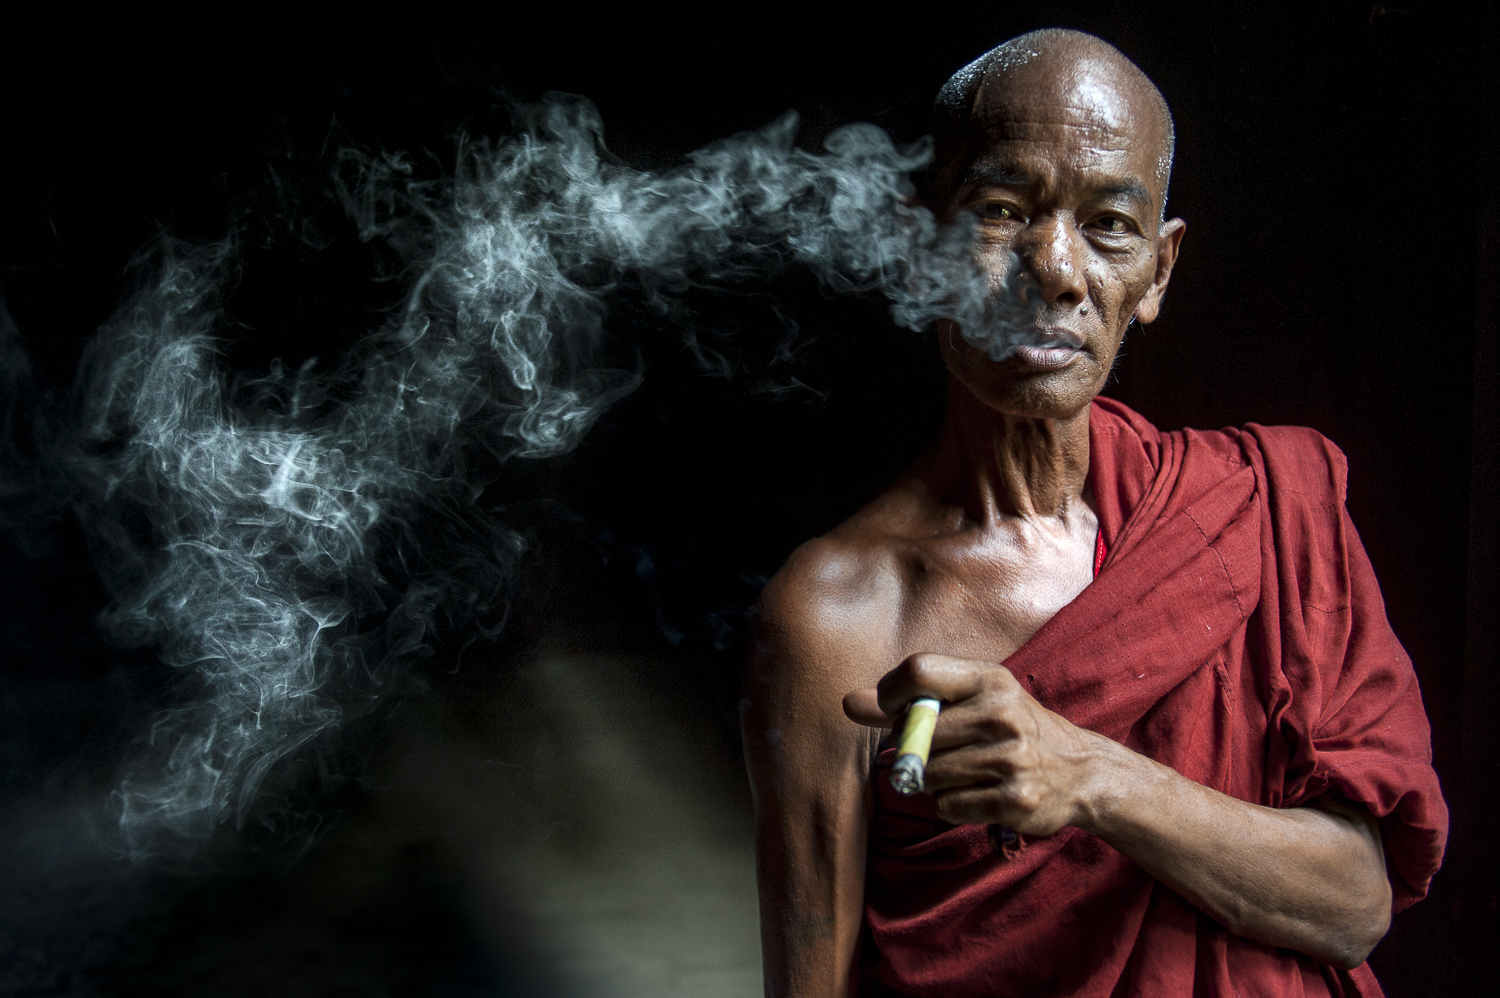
(1236, 633)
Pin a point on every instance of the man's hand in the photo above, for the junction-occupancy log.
(1308, 878)
(999, 757)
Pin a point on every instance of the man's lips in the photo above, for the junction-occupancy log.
(1050, 349)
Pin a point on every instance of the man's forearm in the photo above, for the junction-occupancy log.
(812, 793)
(809, 929)
(1310, 879)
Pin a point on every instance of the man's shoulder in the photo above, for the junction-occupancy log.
(846, 581)
(838, 571)
(1300, 461)
(1293, 461)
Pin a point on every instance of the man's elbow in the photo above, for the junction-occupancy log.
(1365, 925)
(1340, 931)
(1360, 904)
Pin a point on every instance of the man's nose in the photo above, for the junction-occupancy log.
(1051, 252)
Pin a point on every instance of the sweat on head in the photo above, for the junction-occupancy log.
(989, 93)
(294, 537)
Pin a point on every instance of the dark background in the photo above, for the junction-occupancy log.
(1336, 165)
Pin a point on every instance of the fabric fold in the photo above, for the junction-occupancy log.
(1236, 633)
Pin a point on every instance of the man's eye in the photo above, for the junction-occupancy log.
(995, 213)
(1114, 225)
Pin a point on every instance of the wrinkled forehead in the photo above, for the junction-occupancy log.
(1081, 94)
(1084, 101)
(1087, 111)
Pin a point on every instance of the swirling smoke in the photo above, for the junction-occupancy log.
(292, 539)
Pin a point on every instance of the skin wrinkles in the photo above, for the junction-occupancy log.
(981, 541)
(1054, 185)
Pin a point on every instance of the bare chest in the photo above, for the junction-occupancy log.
(984, 601)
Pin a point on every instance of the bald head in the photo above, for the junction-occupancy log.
(1056, 149)
(1036, 77)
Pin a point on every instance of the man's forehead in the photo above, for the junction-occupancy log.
(1081, 112)
(1083, 95)
(1020, 135)
(1061, 102)
(1023, 149)
(1079, 100)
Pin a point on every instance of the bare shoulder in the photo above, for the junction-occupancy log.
(833, 580)
(835, 605)
(826, 579)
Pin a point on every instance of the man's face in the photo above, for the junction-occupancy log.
(1064, 169)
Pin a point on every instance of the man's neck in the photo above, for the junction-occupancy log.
(999, 466)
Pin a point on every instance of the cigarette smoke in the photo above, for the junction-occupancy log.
(295, 539)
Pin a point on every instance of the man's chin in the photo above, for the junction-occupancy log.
(1035, 398)
(1041, 382)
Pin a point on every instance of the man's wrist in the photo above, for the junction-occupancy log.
(1118, 781)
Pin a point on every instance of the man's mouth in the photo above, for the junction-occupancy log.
(1050, 349)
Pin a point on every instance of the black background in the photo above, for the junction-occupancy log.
(1335, 165)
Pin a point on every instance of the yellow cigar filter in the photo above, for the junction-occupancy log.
(915, 744)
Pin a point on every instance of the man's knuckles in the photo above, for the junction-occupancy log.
(999, 723)
(979, 765)
(923, 670)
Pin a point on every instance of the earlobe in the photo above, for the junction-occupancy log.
(1149, 306)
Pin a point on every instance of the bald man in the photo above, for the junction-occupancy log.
(1181, 752)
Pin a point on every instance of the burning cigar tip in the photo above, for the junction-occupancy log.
(915, 745)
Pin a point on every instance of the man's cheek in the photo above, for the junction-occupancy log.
(1136, 278)
(996, 261)
(1121, 292)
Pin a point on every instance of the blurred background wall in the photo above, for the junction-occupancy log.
(562, 811)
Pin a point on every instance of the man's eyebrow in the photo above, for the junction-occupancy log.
(993, 175)
(988, 174)
(1129, 189)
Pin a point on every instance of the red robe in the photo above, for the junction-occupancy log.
(1236, 633)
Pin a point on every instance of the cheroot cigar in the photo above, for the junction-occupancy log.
(915, 744)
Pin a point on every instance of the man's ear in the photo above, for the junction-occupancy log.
(1168, 239)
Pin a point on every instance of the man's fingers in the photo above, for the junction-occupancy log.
(942, 677)
(978, 720)
(982, 765)
(863, 707)
(975, 805)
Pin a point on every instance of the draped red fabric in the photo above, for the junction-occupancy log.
(1236, 633)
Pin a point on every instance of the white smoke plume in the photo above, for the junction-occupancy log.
(280, 537)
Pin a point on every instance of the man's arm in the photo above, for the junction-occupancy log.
(1310, 879)
(810, 773)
